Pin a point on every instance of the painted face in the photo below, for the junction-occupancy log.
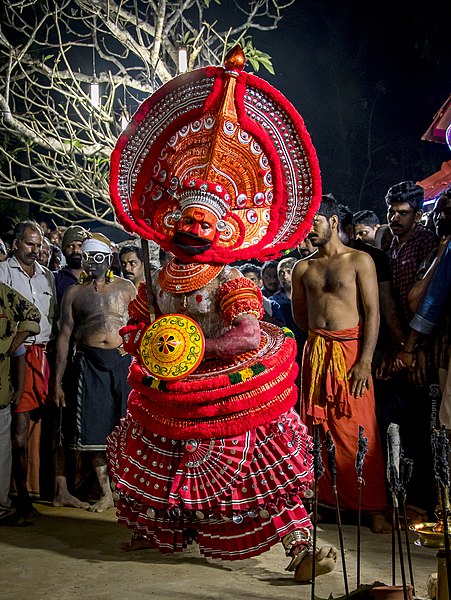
(365, 233)
(402, 218)
(442, 216)
(196, 230)
(96, 264)
(27, 249)
(132, 267)
(321, 231)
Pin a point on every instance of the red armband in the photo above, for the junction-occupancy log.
(239, 297)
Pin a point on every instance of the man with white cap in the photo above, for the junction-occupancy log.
(92, 312)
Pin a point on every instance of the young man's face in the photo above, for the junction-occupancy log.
(270, 279)
(253, 277)
(284, 275)
(366, 233)
(28, 248)
(321, 231)
(402, 218)
(72, 252)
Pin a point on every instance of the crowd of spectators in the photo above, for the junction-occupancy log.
(411, 362)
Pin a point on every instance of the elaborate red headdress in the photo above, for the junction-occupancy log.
(222, 139)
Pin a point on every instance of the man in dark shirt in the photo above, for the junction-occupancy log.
(71, 246)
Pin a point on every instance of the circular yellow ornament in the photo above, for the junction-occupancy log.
(172, 347)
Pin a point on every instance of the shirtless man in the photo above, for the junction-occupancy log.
(335, 299)
(92, 313)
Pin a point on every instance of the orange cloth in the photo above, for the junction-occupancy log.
(330, 406)
(36, 379)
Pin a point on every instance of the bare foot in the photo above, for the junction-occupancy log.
(136, 543)
(325, 561)
(69, 500)
(104, 503)
(379, 524)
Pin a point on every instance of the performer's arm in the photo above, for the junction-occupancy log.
(240, 302)
(62, 347)
(243, 337)
(366, 280)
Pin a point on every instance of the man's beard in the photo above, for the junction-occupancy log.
(319, 242)
(198, 245)
(74, 261)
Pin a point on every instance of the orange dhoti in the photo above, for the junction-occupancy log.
(327, 403)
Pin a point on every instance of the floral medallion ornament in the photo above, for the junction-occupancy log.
(221, 140)
(172, 347)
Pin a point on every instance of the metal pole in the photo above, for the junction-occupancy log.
(318, 470)
(330, 446)
(440, 449)
(362, 448)
(394, 444)
(406, 467)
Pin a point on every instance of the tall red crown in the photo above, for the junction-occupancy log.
(226, 140)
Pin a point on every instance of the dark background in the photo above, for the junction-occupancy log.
(368, 79)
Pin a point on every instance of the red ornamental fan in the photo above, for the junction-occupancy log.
(225, 140)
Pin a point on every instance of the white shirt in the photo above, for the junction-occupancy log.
(39, 289)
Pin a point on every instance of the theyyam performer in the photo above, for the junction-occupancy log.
(216, 166)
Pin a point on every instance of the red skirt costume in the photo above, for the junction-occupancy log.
(219, 457)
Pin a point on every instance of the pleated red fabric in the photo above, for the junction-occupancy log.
(235, 496)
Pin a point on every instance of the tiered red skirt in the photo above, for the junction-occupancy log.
(235, 496)
(220, 457)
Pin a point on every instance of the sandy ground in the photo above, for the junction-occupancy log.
(71, 554)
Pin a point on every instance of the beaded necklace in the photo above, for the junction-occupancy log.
(181, 278)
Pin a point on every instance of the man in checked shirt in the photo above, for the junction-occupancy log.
(409, 405)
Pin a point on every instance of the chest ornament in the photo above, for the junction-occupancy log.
(182, 278)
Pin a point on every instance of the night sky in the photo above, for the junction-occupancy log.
(368, 84)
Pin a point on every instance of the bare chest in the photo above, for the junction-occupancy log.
(106, 300)
(334, 277)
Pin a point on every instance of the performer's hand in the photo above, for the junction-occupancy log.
(131, 335)
(359, 376)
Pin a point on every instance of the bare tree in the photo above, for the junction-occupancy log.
(57, 139)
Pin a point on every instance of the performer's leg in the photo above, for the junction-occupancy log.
(298, 546)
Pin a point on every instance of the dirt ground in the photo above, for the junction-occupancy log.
(71, 554)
